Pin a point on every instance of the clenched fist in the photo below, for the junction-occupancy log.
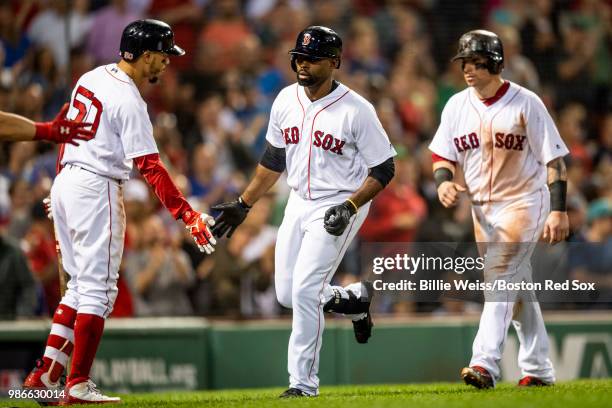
(337, 218)
(448, 193)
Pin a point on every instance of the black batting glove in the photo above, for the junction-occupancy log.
(338, 217)
(232, 215)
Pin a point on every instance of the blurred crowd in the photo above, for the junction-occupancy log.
(210, 116)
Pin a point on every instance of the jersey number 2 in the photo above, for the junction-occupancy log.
(82, 107)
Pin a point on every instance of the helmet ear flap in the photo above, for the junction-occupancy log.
(493, 67)
(293, 66)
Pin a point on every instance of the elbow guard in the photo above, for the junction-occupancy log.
(384, 172)
(274, 158)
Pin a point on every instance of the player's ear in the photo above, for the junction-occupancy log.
(147, 57)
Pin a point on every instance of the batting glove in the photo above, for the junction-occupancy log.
(232, 215)
(197, 224)
(337, 218)
(62, 130)
(47, 207)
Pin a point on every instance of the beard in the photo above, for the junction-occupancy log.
(310, 81)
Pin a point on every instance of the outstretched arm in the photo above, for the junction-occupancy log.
(556, 228)
(16, 128)
(260, 184)
(271, 166)
(156, 175)
(61, 130)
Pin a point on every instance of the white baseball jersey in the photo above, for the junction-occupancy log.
(330, 143)
(108, 98)
(502, 148)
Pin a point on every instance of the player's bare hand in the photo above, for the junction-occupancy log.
(448, 193)
(232, 215)
(337, 218)
(47, 206)
(62, 130)
(556, 228)
(198, 226)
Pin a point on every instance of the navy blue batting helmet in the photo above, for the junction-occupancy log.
(147, 35)
(317, 42)
(482, 43)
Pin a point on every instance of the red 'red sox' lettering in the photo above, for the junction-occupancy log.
(328, 142)
(509, 141)
(291, 135)
(324, 141)
(466, 142)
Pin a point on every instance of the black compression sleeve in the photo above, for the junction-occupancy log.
(384, 172)
(558, 195)
(441, 175)
(273, 158)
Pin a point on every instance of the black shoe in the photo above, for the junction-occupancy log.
(293, 393)
(363, 327)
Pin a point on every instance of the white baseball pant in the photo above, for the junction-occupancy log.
(90, 226)
(306, 259)
(513, 229)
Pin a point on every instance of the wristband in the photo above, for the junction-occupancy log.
(43, 130)
(353, 205)
(441, 175)
(243, 203)
(189, 216)
(558, 195)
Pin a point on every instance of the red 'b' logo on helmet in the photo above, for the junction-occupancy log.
(306, 39)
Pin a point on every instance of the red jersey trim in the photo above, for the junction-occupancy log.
(297, 94)
(493, 141)
(156, 175)
(118, 79)
(311, 131)
(60, 156)
(436, 158)
(498, 95)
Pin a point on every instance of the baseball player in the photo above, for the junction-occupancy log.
(505, 142)
(87, 205)
(338, 157)
(17, 128)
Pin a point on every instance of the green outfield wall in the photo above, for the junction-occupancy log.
(191, 353)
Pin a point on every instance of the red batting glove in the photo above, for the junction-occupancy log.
(198, 224)
(62, 130)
